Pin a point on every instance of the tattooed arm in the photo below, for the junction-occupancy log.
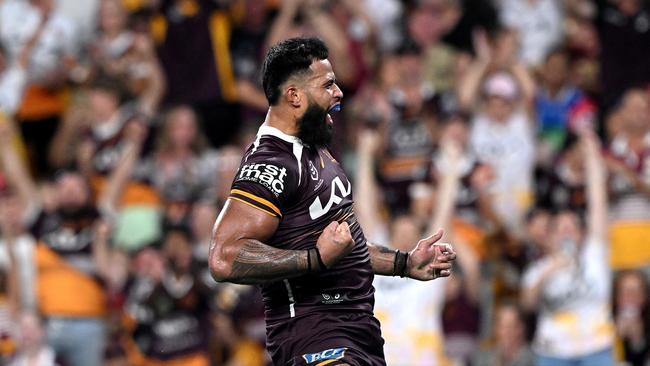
(427, 261)
(238, 253)
(382, 259)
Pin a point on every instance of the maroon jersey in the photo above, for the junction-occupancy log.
(306, 189)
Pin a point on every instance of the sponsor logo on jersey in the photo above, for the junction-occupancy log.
(333, 299)
(269, 175)
(338, 192)
(328, 354)
(312, 171)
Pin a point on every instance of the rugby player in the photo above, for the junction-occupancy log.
(289, 224)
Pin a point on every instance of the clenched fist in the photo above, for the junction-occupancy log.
(335, 243)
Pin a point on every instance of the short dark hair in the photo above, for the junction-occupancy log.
(286, 59)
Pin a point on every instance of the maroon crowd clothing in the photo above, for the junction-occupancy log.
(171, 316)
(307, 189)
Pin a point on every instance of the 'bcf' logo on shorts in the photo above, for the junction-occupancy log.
(328, 354)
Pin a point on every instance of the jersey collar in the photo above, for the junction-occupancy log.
(268, 130)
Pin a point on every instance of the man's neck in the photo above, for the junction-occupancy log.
(282, 119)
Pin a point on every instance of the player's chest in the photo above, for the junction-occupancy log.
(324, 184)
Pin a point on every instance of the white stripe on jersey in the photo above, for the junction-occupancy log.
(292, 311)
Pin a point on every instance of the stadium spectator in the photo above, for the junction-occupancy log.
(631, 310)
(561, 185)
(623, 30)
(538, 25)
(85, 80)
(510, 346)
(408, 132)
(192, 44)
(427, 23)
(414, 335)
(247, 45)
(181, 167)
(627, 159)
(571, 285)
(556, 102)
(55, 49)
(502, 127)
(169, 308)
(68, 258)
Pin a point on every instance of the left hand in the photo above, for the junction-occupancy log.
(428, 260)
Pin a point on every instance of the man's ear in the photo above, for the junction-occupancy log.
(293, 96)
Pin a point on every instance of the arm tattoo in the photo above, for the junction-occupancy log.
(258, 263)
(382, 259)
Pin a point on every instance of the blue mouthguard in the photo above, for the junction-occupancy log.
(336, 108)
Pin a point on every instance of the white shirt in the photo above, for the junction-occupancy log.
(19, 20)
(12, 86)
(574, 317)
(539, 24)
(509, 148)
(24, 254)
(410, 313)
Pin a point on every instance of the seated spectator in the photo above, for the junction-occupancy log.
(632, 316)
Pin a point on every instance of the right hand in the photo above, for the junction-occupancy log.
(335, 243)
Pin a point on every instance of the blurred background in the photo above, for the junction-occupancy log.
(122, 124)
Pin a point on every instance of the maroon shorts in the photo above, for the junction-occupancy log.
(327, 339)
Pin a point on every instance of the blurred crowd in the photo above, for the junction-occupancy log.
(522, 127)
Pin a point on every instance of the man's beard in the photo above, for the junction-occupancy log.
(313, 129)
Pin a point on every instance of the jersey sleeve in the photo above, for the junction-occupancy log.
(266, 181)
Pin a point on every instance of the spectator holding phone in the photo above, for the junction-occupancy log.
(570, 286)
